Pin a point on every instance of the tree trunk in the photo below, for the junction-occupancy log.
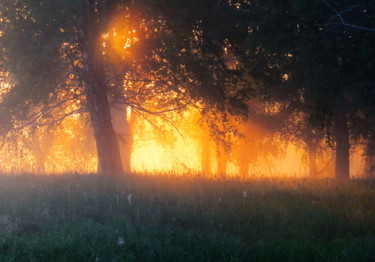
(243, 158)
(370, 167)
(313, 171)
(206, 160)
(41, 145)
(123, 129)
(109, 158)
(312, 148)
(221, 161)
(244, 168)
(341, 132)
(370, 158)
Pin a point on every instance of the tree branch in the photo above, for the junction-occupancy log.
(34, 122)
(339, 15)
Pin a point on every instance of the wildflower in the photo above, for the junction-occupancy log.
(130, 197)
(120, 241)
(244, 194)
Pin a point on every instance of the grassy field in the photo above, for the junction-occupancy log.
(144, 218)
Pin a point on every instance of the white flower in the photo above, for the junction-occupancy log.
(130, 197)
(244, 194)
(120, 241)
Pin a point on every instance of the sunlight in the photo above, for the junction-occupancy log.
(179, 143)
(120, 37)
(5, 87)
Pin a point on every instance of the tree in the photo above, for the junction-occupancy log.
(178, 60)
(300, 58)
(357, 10)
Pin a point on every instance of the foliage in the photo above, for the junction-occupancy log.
(313, 59)
(137, 53)
(173, 62)
(310, 63)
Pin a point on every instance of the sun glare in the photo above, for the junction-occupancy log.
(5, 86)
(120, 37)
(150, 144)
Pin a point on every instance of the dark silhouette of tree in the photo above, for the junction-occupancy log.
(178, 61)
(300, 58)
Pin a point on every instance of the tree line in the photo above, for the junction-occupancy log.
(312, 62)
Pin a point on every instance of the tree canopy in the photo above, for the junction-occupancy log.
(87, 50)
(312, 59)
(312, 62)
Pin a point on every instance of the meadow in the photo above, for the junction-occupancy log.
(166, 218)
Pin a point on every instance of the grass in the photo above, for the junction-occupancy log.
(156, 218)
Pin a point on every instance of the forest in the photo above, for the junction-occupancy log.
(217, 126)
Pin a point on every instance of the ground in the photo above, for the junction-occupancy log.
(159, 218)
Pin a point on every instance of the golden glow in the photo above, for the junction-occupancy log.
(157, 147)
(120, 37)
(70, 147)
(180, 146)
(5, 87)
